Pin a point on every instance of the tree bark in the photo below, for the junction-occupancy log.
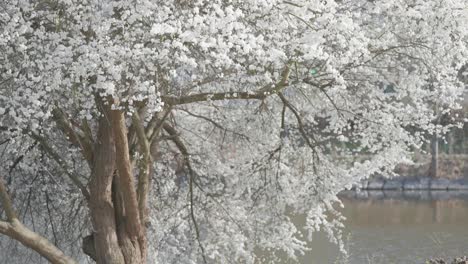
(119, 236)
(130, 247)
(131, 234)
(106, 242)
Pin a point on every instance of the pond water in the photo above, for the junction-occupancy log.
(396, 227)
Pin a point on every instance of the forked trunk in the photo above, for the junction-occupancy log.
(119, 236)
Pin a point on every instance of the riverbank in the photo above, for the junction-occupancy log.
(412, 183)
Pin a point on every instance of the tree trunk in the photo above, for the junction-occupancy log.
(106, 242)
(119, 236)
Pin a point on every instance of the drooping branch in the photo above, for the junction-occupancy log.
(300, 124)
(183, 150)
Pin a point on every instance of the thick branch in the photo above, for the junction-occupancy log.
(176, 139)
(202, 97)
(83, 141)
(34, 241)
(156, 123)
(145, 166)
(3, 227)
(260, 94)
(15, 230)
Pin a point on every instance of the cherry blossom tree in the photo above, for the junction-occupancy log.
(190, 131)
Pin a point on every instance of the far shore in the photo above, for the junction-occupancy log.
(412, 183)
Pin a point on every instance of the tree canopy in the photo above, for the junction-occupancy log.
(189, 131)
